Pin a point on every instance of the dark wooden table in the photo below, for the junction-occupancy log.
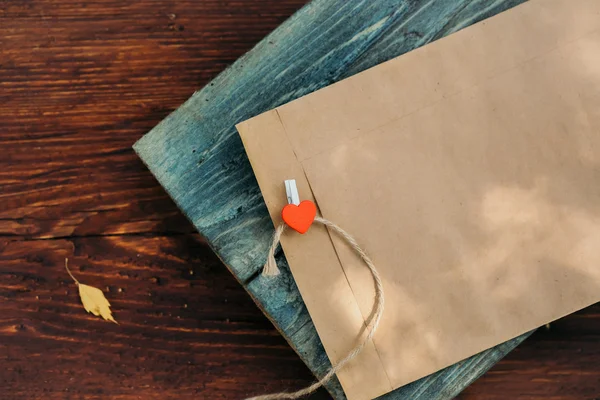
(80, 82)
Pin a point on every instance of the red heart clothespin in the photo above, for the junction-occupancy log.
(297, 215)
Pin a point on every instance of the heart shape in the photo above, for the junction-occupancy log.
(299, 217)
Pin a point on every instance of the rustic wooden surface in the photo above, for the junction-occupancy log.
(79, 83)
(197, 156)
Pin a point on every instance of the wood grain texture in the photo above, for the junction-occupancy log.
(79, 83)
(198, 157)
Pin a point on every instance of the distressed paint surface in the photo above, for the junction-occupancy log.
(197, 156)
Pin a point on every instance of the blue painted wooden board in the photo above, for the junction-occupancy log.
(197, 156)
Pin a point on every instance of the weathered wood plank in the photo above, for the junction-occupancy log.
(197, 156)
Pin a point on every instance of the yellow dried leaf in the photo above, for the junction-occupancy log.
(94, 302)
(93, 299)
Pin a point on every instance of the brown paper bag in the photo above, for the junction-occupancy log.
(469, 170)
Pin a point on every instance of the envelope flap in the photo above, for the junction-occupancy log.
(313, 259)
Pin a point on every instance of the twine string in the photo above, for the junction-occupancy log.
(270, 269)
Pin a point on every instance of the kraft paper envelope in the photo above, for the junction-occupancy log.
(469, 169)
